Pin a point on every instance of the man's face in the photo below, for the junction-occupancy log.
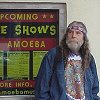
(74, 40)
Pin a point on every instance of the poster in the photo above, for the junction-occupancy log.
(1, 64)
(26, 35)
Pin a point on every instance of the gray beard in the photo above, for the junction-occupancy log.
(74, 46)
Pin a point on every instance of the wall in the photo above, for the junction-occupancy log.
(88, 12)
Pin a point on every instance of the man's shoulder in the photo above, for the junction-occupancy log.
(54, 51)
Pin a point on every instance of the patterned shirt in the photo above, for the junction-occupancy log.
(74, 78)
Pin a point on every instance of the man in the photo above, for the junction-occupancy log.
(68, 72)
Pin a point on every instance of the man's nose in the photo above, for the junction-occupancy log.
(74, 34)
